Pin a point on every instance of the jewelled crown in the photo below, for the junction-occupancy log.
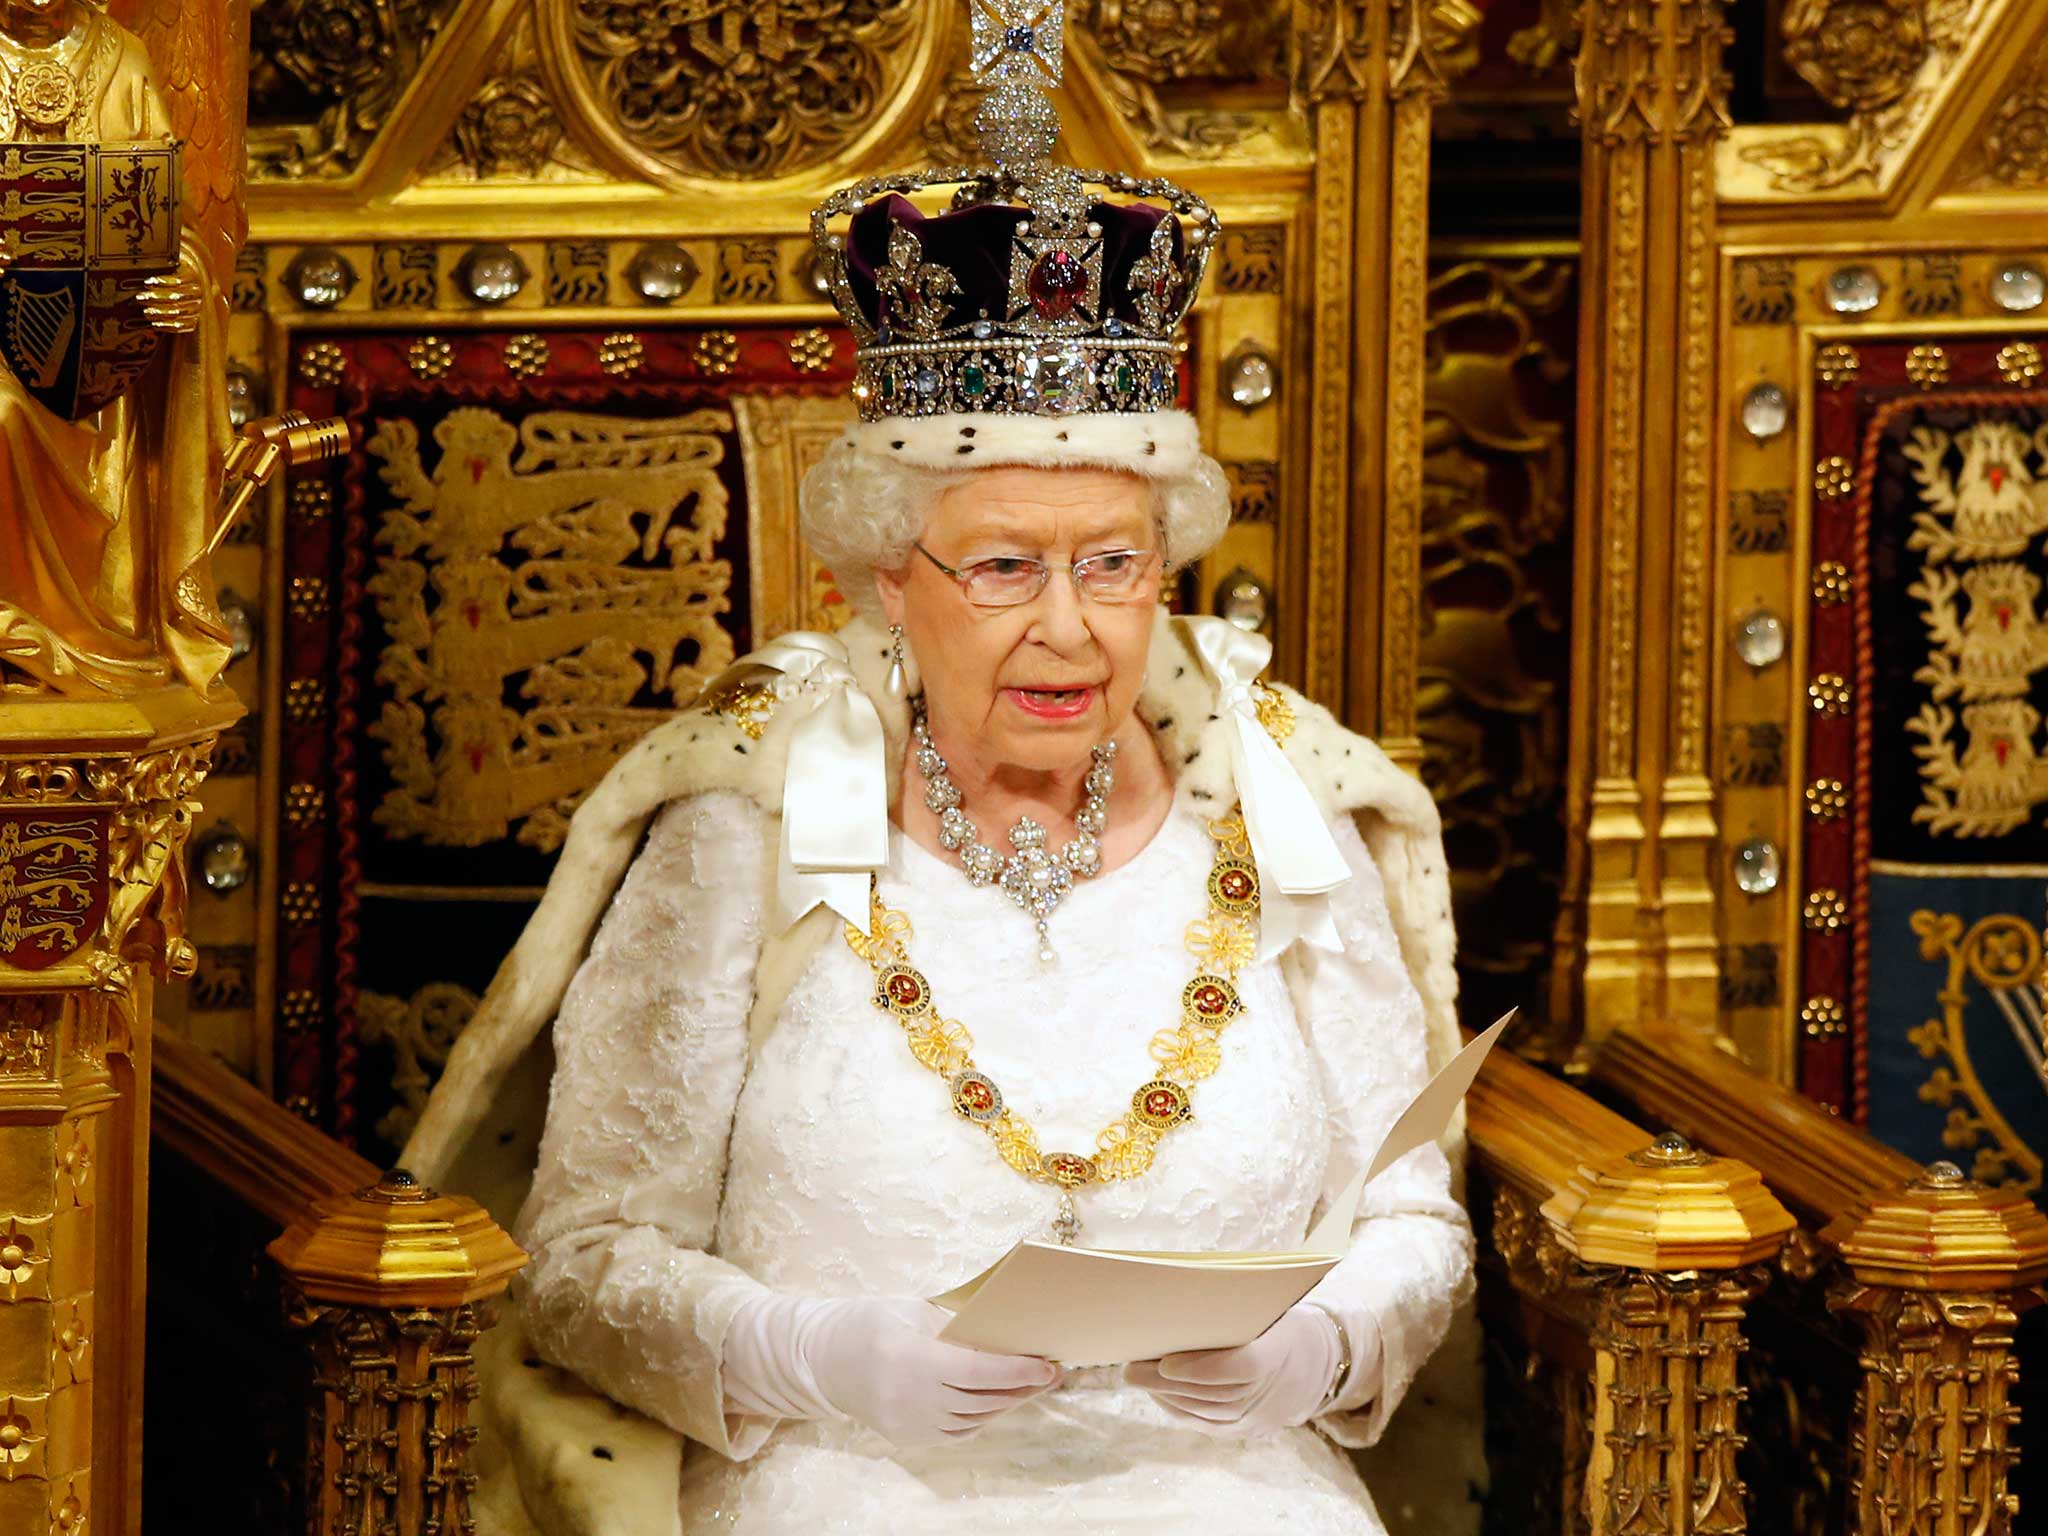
(1034, 294)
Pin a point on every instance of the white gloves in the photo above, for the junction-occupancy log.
(1280, 1379)
(874, 1361)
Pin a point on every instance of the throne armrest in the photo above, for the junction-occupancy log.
(391, 1283)
(1616, 1270)
(1928, 1269)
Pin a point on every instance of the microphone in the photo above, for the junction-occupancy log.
(266, 448)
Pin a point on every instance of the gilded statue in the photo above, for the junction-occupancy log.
(113, 410)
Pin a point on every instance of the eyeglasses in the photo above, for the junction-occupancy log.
(1004, 581)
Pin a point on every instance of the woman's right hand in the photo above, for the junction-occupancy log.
(875, 1361)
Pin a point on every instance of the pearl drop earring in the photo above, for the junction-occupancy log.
(898, 683)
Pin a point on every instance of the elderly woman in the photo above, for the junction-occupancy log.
(1011, 921)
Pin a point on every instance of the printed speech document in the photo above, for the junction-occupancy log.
(1105, 1306)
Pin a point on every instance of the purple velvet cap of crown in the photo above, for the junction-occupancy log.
(974, 244)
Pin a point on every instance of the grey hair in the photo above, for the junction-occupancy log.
(861, 513)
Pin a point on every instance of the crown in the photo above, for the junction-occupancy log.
(1035, 293)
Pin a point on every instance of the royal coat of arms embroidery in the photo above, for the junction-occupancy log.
(1978, 522)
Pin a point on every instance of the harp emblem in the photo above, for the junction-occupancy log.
(87, 225)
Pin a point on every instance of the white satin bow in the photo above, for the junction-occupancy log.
(1299, 863)
(835, 789)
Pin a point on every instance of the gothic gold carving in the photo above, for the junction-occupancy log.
(351, 59)
(392, 1286)
(1406, 321)
(781, 437)
(2015, 142)
(1150, 45)
(1537, 1262)
(1938, 1273)
(1496, 531)
(1333, 48)
(1671, 1348)
(1884, 59)
(584, 570)
(1672, 1245)
(1860, 54)
(1321, 567)
(2001, 954)
(732, 89)
(510, 129)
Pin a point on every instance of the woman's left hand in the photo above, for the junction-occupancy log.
(1278, 1380)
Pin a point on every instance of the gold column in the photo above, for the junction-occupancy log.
(96, 798)
(1371, 76)
(1673, 1245)
(1939, 1270)
(1653, 102)
(393, 1284)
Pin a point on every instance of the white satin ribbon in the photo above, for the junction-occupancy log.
(835, 789)
(1298, 861)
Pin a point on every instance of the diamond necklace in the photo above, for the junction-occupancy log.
(1034, 877)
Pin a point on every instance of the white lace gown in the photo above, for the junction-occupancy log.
(677, 1176)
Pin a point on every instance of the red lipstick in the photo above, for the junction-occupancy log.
(1047, 704)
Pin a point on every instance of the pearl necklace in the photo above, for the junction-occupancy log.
(1034, 877)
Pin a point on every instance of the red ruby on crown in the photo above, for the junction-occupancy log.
(1055, 282)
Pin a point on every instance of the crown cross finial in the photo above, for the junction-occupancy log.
(1018, 37)
(1017, 50)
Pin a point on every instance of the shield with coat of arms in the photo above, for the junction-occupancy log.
(86, 225)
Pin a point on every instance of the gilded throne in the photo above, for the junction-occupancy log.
(1681, 475)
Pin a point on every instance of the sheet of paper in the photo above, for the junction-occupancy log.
(1093, 1306)
(1083, 1307)
(1419, 1124)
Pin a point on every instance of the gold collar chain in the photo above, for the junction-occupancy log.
(1221, 944)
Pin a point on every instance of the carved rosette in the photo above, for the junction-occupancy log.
(1860, 54)
(2016, 139)
(678, 90)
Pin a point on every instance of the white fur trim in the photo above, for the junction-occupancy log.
(1160, 445)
